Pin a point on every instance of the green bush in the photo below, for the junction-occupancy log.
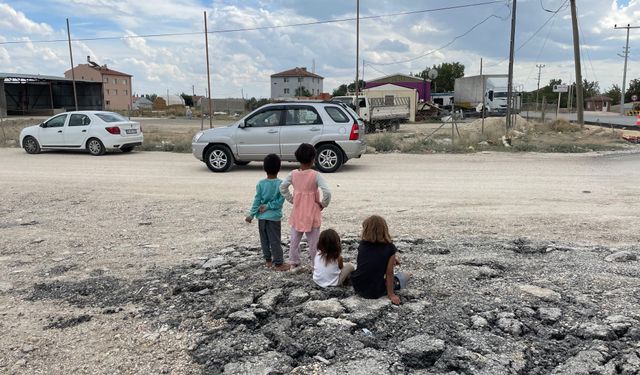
(383, 143)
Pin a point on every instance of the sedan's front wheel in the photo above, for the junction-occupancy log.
(218, 158)
(329, 158)
(31, 145)
(95, 147)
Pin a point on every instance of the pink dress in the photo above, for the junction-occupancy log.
(305, 214)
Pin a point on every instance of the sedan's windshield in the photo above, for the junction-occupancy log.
(111, 117)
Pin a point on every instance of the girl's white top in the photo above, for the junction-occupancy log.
(325, 275)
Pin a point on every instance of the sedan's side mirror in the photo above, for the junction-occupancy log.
(242, 125)
(43, 125)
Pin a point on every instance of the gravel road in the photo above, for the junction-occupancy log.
(101, 267)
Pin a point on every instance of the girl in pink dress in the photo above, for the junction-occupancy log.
(305, 215)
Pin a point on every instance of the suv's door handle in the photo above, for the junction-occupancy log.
(84, 131)
(314, 129)
(59, 131)
(272, 131)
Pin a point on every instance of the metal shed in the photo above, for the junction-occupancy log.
(29, 94)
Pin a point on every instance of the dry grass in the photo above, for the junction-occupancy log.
(10, 130)
(557, 136)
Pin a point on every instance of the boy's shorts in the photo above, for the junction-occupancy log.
(400, 281)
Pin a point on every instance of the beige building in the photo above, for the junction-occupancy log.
(116, 85)
(390, 94)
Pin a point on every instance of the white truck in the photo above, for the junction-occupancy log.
(379, 113)
(487, 91)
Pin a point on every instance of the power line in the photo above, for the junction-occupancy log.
(536, 32)
(261, 28)
(441, 47)
(377, 70)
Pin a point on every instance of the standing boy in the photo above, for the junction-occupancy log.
(267, 207)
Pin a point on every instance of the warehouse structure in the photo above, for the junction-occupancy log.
(27, 94)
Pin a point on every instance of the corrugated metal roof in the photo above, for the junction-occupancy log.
(39, 77)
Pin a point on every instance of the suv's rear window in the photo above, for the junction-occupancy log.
(111, 117)
(336, 114)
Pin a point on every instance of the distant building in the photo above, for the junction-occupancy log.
(34, 94)
(140, 102)
(422, 86)
(599, 103)
(285, 84)
(116, 85)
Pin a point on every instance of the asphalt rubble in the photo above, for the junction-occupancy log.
(474, 306)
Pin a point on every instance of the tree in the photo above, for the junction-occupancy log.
(254, 103)
(302, 91)
(634, 89)
(341, 90)
(188, 99)
(345, 89)
(614, 93)
(590, 89)
(159, 103)
(152, 97)
(447, 74)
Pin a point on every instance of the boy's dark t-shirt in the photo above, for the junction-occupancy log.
(368, 279)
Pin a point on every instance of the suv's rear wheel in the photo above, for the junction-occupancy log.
(329, 158)
(218, 158)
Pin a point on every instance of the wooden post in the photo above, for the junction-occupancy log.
(484, 88)
(73, 75)
(206, 44)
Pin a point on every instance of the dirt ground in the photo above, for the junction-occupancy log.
(103, 267)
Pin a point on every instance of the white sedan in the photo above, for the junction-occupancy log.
(95, 131)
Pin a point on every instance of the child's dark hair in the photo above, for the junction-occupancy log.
(272, 164)
(305, 153)
(329, 245)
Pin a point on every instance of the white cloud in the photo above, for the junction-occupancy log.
(12, 19)
(4, 56)
(245, 60)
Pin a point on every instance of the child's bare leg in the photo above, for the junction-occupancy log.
(346, 270)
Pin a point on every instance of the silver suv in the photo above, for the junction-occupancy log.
(334, 129)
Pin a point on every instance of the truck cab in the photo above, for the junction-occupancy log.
(496, 100)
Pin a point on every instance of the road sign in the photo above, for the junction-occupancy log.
(433, 74)
(634, 98)
(560, 88)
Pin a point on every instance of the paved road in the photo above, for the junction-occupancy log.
(595, 118)
(554, 195)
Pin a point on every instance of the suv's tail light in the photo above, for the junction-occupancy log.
(355, 132)
(113, 130)
(140, 128)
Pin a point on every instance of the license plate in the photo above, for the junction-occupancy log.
(131, 131)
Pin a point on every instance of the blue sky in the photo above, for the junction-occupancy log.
(243, 61)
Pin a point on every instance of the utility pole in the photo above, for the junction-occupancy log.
(625, 55)
(511, 54)
(576, 56)
(206, 44)
(540, 66)
(484, 89)
(73, 75)
(357, 51)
